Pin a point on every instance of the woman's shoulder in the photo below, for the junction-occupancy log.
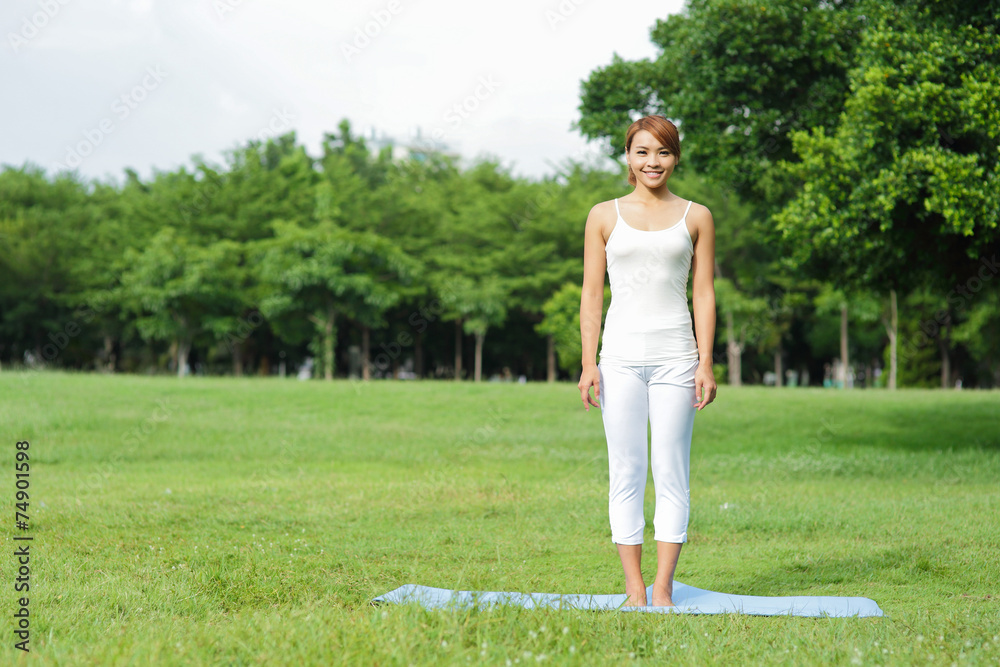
(604, 208)
(699, 212)
(602, 218)
(700, 221)
(604, 213)
(697, 205)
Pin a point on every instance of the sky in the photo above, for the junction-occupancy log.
(103, 85)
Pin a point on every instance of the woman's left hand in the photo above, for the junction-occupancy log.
(704, 385)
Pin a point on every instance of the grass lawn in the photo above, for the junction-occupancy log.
(251, 521)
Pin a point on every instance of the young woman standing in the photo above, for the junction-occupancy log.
(652, 369)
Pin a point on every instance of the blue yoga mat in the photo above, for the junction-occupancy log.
(688, 600)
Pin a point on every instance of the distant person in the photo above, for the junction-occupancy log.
(651, 368)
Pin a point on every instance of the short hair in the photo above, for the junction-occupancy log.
(661, 128)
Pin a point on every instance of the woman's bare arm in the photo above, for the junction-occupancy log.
(703, 304)
(592, 301)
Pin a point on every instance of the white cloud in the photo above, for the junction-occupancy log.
(230, 70)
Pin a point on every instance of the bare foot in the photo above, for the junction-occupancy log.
(662, 596)
(636, 596)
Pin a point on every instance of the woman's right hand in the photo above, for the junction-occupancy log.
(591, 376)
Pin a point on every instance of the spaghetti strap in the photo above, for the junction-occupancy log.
(616, 207)
(687, 209)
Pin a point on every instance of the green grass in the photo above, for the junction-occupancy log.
(250, 521)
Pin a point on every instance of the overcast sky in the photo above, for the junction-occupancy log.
(102, 85)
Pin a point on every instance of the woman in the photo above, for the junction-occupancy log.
(651, 366)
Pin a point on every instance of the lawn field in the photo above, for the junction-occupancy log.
(204, 521)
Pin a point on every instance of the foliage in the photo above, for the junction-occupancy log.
(738, 77)
(905, 189)
(844, 148)
(562, 322)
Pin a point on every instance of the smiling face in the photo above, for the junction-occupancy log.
(650, 161)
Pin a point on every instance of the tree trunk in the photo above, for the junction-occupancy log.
(237, 349)
(458, 349)
(109, 354)
(366, 343)
(893, 333)
(550, 360)
(843, 344)
(734, 352)
(479, 355)
(328, 343)
(183, 348)
(777, 367)
(418, 355)
(944, 338)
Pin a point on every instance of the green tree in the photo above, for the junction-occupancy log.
(738, 77)
(319, 272)
(980, 333)
(181, 291)
(562, 325)
(904, 190)
(468, 266)
(41, 222)
(863, 306)
(548, 219)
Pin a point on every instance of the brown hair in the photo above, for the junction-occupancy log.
(661, 128)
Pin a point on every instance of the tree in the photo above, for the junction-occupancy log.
(40, 226)
(467, 267)
(981, 331)
(904, 190)
(179, 290)
(317, 272)
(742, 315)
(865, 307)
(548, 218)
(478, 305)
(738, 77)
(561, 324)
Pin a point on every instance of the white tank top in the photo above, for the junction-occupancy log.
(648, 321)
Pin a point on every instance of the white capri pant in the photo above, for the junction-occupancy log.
(664, 396)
